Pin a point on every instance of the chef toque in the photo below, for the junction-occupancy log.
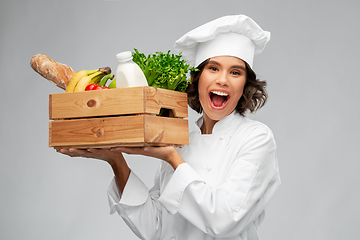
(236, 35)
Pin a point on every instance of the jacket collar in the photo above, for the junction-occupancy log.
(227, 124)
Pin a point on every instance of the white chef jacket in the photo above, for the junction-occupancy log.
(219, 193)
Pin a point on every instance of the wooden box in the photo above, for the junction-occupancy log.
(118, 117)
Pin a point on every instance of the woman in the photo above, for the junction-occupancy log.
(217, 187)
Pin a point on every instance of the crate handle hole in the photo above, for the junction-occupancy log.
(166, 112)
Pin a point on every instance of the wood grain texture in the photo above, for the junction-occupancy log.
(166, 130)
(139, 130)
(157, 98)
(108, 102)
(103, 131)
(119, 101)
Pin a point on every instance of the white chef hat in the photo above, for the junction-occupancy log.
(236, 35)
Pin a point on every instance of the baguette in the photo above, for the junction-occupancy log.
(57, 73)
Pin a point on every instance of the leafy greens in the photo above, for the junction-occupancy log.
(164, 70)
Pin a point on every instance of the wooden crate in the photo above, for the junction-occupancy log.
(118, 117)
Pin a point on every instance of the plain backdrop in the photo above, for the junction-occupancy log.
(312, 68)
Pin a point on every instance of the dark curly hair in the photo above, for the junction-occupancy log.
(253, 98)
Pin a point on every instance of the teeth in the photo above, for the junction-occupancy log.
(219, 93)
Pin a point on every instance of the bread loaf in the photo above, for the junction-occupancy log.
(57, 73)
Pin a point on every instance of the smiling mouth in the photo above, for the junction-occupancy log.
(218, 99)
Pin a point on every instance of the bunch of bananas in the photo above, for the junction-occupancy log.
(81, 79)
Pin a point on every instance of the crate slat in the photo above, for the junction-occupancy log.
(96, 103)
(139, 130)
(119, 101)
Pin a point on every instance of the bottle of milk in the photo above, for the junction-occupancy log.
(128, 73)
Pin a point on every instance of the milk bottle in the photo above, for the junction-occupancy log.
(128, 73)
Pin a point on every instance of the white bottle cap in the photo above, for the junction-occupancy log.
(124, 56)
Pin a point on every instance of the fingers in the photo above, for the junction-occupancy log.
(109, 155)
(131, 150)
(74, 152)
(157, 152)
(96, 153)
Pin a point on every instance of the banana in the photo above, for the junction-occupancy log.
(105, 79)
(93, 78)
(83, 73)
(77, 77)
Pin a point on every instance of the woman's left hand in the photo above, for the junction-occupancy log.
(168, 154)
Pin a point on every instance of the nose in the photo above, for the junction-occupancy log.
(222, 80)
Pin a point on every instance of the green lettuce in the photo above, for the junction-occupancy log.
(164, 70)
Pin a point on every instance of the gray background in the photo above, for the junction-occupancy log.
(311, 65)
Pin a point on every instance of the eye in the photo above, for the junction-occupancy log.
(213, 68)
(235, 73)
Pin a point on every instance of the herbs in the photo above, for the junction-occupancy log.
(164, 70)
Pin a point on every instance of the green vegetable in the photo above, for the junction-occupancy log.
(164, 70)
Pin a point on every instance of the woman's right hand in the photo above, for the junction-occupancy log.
(114, 158)
(102, 154)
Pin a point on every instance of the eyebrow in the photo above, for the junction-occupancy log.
(235, 66)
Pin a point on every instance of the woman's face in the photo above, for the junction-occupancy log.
(221, 85)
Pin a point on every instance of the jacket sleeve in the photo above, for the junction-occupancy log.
(229, 209)
(138, 206)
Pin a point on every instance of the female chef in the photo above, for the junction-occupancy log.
(218, 186)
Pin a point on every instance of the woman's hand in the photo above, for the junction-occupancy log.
(168, 154)
(101, 154)
(114, 158)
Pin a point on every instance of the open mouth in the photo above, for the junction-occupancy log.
(218, 99)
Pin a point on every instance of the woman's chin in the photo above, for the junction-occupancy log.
(216, 114)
